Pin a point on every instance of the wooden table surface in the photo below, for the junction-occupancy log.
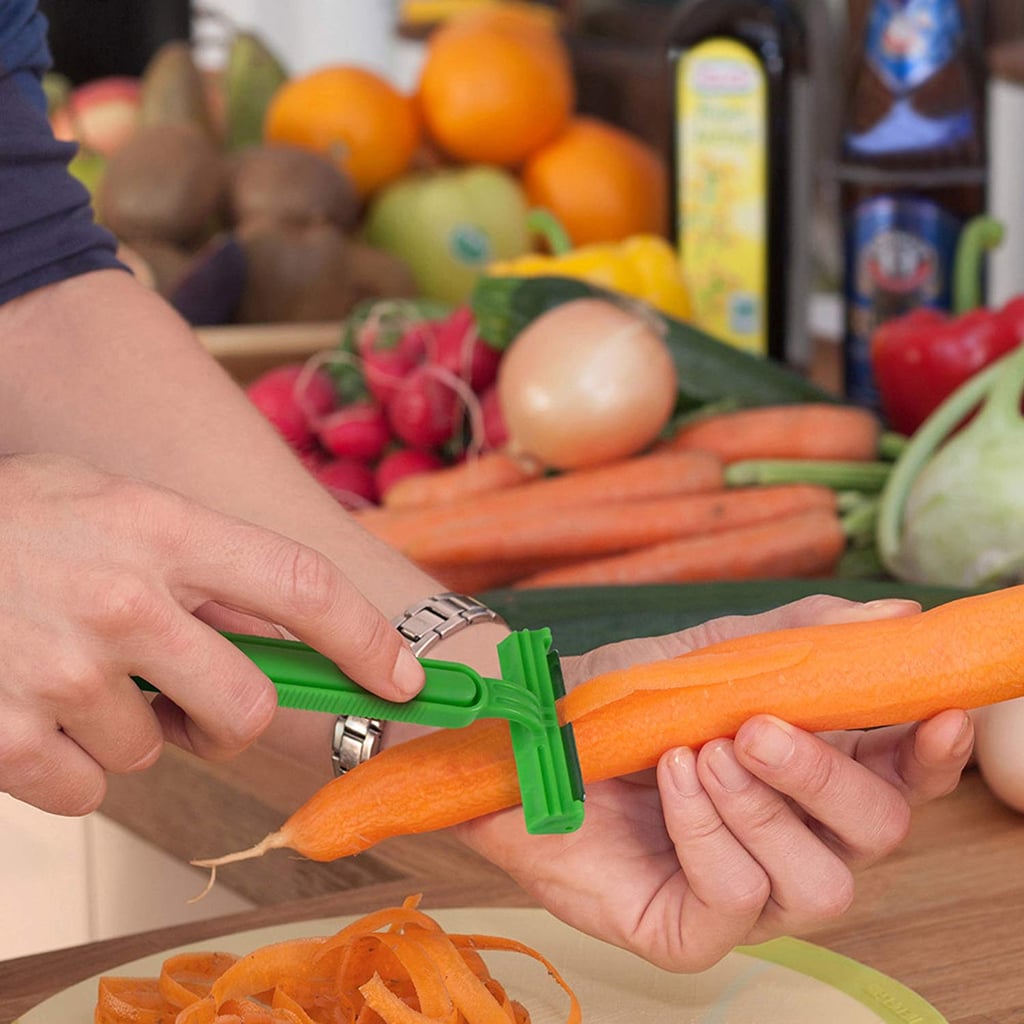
(944, 915)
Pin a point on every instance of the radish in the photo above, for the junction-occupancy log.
(424, 411)
(385, 365)
(403, 462)
(292, 400)
(459, 348)
(358, 430)
(495, 431)
(352, 483)
(383, 370)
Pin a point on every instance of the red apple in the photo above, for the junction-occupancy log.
(100, 114)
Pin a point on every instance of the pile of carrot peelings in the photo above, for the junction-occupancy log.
(393, 966)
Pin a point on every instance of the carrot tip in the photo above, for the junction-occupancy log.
(270, 842)
(209, 886)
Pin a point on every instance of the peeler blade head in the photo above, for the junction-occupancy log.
(550, 778)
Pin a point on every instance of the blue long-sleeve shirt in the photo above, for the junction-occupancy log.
(47, 229)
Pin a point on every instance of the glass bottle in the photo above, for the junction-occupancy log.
(912, 162)
(742, 160)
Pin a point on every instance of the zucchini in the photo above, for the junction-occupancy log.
(707, 370)
(582, 618)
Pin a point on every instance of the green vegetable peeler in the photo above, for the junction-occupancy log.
(454, 695)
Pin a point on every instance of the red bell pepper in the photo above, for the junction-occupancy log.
(921, 358)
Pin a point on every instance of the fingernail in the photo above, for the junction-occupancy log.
(892, 605)
(683, 768)
(961, 746)
(771, 743)
(730, 773)
(408, 674)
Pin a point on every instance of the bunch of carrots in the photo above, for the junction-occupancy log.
(393, 966)
(771, 492)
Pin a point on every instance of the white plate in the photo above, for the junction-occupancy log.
(781, 982)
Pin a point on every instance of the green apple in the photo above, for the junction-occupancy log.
(447, 225)
(88, 167)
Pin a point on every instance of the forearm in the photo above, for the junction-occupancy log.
(98, 368)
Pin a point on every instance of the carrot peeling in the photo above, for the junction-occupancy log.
(963, 654)
(394, 966)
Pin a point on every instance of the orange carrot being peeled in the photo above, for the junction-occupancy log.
(964, 654)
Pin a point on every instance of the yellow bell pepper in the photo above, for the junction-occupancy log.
(644, 267)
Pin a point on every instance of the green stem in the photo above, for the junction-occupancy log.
(859, 524)
(978, 236)
(891, 445)
(927, 438)
(1003, 405)
(839, 475)
(549, 227)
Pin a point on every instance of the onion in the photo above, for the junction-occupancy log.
(585, 383)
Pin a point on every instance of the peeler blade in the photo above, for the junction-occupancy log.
(547, 762)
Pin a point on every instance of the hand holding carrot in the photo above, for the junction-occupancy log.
(748, 839)
(101, 578)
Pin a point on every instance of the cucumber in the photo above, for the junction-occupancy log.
(707, 370)
(582, 618)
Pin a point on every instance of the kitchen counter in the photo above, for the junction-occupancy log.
(942, 915)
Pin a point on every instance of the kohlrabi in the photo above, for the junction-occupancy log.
(952, 512)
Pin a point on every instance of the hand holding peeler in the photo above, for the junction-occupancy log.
(454, 695)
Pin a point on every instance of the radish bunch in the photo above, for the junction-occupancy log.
(405, 393)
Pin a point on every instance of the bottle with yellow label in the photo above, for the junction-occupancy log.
(742, 170)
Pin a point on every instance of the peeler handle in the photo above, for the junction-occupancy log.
(453, 695)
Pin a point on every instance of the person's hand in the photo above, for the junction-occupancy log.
(740, 842)
(103, 578)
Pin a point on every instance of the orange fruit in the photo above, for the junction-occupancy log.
(602, 182)
(494, 87)
(352, 115)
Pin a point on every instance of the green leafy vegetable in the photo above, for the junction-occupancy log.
(951, 511)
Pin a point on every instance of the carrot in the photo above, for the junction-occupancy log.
(490, 471)
(614, 527)
(397, 966)
(809, 430)
(643, 476)
(964, 654)
(802, 545)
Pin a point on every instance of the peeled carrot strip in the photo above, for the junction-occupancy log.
(256, 972)
(189, 976)
(964, 654)
(808, 430)
(494, 942)
(396, 966)
(134, 999)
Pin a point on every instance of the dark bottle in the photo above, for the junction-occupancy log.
(912, 162)
(95, 38)
(742, 164)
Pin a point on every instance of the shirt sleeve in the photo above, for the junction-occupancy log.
(47, 229)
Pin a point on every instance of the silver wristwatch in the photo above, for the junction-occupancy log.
(356, 739)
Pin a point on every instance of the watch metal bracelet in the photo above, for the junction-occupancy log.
(422, 625)
(355, 740)
(429, 621)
